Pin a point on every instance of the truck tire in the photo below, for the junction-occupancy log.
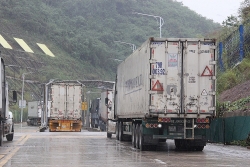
(120, 131)
(137, 130)
(1, 135)
(133, 135)
(199, 148)
(117, 131)
(109, 135)
(9, 137)
(178, 144)
(141, 139)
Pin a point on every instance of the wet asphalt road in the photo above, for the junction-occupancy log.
(31, 148)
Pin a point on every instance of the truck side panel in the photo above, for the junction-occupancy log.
(133, 84)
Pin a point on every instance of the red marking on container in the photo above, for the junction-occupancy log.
(207, 72)
(170, 110)
(157, 86)
(203, 110)
(190, 110)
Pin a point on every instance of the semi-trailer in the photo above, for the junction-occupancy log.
(63, 108)
(166, 89)
(34, 113)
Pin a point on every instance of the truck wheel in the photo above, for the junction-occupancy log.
(199, 148)
(137, 130)
(9, 137)
(141, 139)
(177, 143)
(162, 140)
(117, 131)
(1, 136)
(133, 136)
(109, 135)
(120, 131)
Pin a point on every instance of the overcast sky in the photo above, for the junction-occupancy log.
(217, 10)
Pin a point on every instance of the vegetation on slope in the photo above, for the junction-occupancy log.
(85, 30)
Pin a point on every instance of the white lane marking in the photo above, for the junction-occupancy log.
(159, 161)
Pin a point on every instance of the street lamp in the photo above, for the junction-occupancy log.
(132, 45)
(156, 17)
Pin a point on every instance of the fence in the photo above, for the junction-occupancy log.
(225, 130)
(234, 48)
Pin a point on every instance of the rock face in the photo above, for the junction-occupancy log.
(238, 92)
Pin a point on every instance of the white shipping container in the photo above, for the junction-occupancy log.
(106, 110)
(66, 100)
(34, 109)
(172, 77)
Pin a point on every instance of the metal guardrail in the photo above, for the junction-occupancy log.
(234, 48)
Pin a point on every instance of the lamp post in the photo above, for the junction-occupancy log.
(156, 17)
(132, 45)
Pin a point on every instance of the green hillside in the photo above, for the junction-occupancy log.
(81, 33)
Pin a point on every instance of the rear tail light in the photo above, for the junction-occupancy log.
(164, 119)
(207, 120)
(202, 120)
(153, 125)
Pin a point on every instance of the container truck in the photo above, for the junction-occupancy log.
(63, 107)
(106, 112)
(6, 117)
(34, 113)
(166, 90)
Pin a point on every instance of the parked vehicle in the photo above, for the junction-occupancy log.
(6, 116)
(34, 113)
(63, 107)
(106, 112)
(166, 90)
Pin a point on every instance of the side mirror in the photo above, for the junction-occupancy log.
(106, 101)
(14, 96)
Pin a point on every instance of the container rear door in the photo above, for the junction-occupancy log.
(165, 72)
(182, 77)
(199, 77)
(58, 105)
(73, 101)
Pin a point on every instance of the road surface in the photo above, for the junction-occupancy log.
(31, 148)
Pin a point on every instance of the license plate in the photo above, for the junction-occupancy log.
(172, 128)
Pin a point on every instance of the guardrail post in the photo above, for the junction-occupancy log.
(241, 47)
(220, 56)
